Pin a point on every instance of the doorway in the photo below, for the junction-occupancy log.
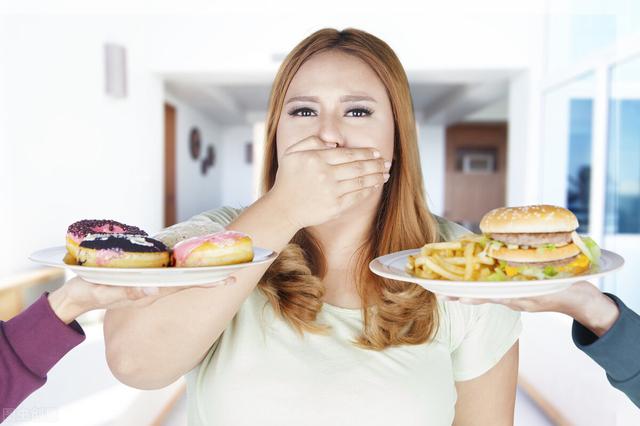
(475, 172)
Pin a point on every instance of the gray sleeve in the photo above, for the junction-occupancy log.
(617, 351)
(449, 230)
(208, 222)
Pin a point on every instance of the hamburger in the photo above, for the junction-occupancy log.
(536, 242)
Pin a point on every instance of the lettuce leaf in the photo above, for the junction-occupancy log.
(593, 249)
(498, 275)
(533, 271)
(546, 247)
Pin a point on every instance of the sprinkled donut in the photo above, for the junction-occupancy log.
(123, 251)
(77, 231)
(220, 248)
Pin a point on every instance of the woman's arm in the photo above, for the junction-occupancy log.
(490, 398)
(153, 346)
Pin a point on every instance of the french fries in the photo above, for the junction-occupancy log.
(462, 260)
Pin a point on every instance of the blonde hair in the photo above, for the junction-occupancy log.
(400, 312)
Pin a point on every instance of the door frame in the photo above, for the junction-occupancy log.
(170, 196)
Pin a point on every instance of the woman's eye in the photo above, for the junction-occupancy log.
(302, 112)
(308, 112)
(359, 112)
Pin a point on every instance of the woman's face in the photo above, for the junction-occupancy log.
(338, 98)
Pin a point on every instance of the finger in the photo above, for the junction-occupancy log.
(361, 182)
(134, 293)
(351, 198)
(348, 155)
(354, 169)
(310, 143)
(472, 301)
(227, 281)
(151, 291)
(444, 298)
(501, 301)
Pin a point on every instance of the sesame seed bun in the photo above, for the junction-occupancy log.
(528, 219)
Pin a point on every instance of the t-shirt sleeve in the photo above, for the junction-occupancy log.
(480, 336)
(208, 222)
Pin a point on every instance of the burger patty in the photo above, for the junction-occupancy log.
(560, 262)
(533, 239)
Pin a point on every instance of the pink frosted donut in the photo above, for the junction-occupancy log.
(77, 231)
(220, 248)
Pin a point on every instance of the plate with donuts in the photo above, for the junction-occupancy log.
(113, 253)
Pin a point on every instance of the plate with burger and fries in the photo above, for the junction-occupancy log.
(522, 252)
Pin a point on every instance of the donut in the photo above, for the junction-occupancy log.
(219, 248)
(122, 251)
(78, 230)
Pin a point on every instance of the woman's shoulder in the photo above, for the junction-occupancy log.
(207, 222)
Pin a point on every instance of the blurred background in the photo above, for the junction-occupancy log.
(151, 113)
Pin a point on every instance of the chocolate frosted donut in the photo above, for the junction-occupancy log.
(122, 251)
(133, 243)
(77, 231)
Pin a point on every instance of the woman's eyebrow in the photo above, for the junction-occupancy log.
(346, 98)
(356, 98)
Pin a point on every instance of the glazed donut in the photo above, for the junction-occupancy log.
(78, 230)
(122, 251)
(220, 248)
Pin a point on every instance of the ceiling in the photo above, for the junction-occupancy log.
(234, 102)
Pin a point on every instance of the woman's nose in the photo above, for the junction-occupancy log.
(329, 130)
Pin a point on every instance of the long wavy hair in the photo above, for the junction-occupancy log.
(394, 312)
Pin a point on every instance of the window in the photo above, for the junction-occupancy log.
(566, 151)
(592, 26)
(622, 214)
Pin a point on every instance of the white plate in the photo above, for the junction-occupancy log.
(393, 265)
(149, 277)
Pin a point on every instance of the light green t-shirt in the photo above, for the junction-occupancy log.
(261, 372)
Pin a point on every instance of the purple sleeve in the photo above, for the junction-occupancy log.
(30, 344)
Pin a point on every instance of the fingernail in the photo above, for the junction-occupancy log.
(331, 145)
(151, 291)
(386, 176)
(376, 154)
(387, 164)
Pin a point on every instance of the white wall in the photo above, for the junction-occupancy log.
(196, 192)
(77, 153)
(81, 154)
(523, 140)
(6, 174)
(237, 175)
(432, 145)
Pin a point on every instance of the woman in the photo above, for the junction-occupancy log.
(315, 337)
